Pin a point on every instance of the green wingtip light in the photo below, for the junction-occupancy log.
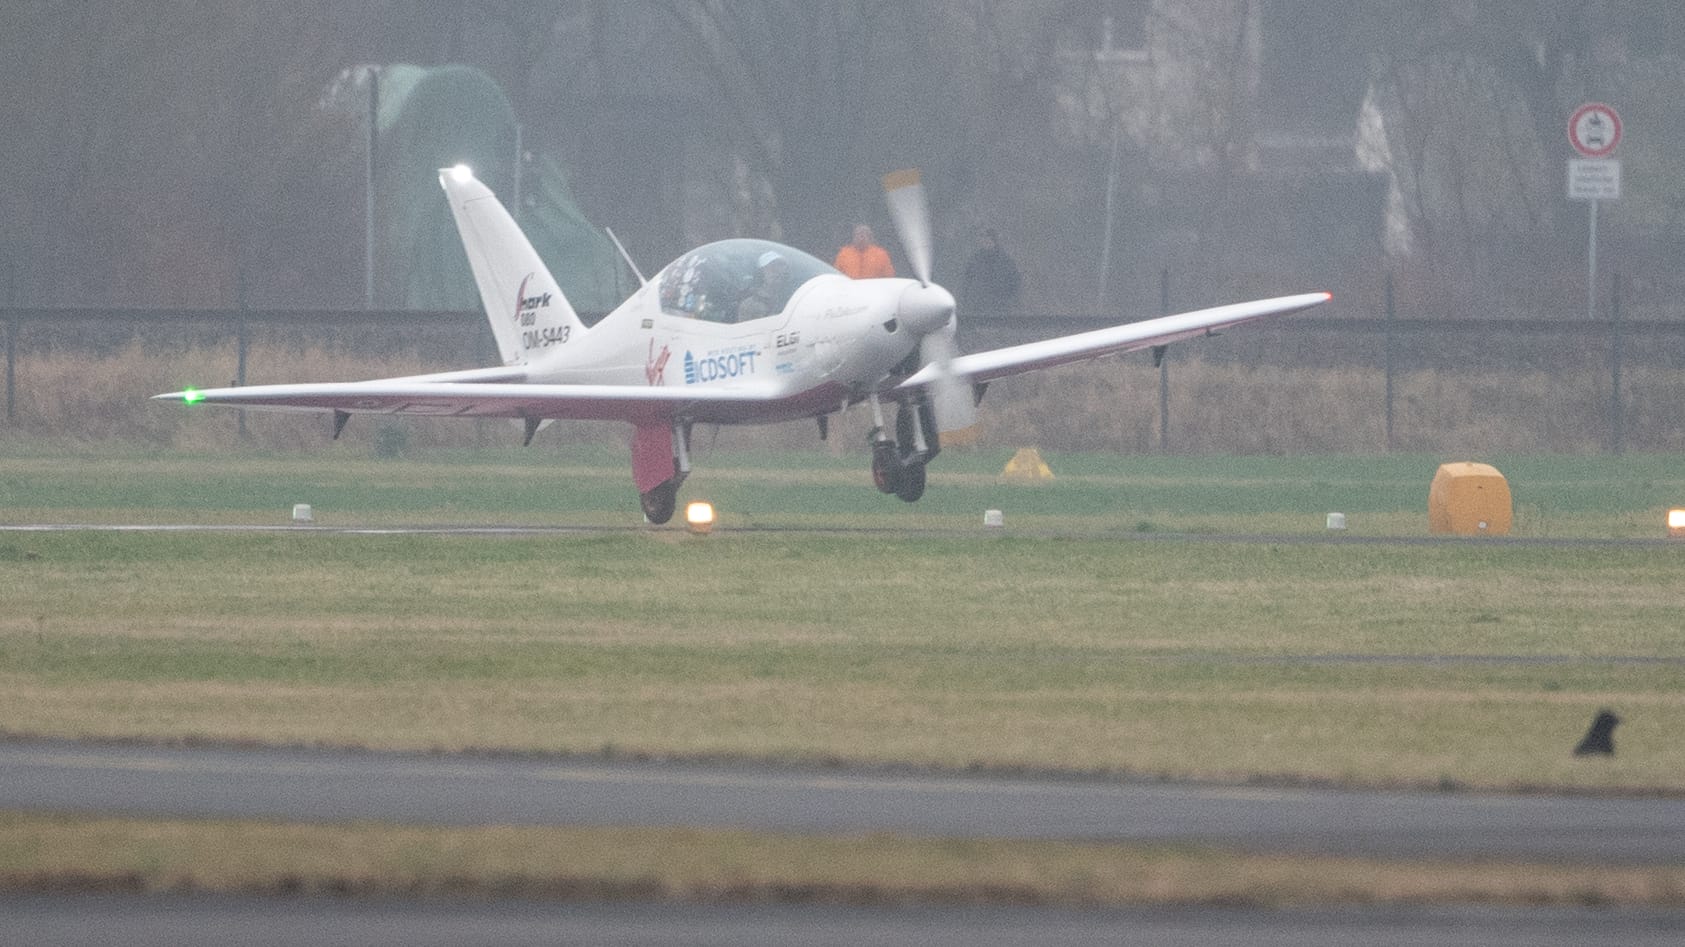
(192, 396)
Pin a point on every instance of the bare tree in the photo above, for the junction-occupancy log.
(1476, 99)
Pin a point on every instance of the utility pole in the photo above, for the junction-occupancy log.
(368, 185)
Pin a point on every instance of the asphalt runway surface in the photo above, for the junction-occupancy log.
(340, 786)
(72, 921)
(888, 531)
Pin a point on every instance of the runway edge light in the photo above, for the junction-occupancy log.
(699, 516)
(1676, 523)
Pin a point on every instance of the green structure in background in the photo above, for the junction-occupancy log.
(434, 118)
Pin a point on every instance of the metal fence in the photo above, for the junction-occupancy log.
(1598, 357)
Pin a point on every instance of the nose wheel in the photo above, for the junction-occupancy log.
(911, 486)
(898, 463)
(886, 466)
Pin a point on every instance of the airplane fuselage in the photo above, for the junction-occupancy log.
(834, 340)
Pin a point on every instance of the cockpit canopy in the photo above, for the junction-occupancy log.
(735, 280)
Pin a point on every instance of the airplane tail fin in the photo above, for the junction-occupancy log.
(528, 313)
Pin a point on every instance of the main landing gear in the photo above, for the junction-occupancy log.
(898, 463)
(661, 500)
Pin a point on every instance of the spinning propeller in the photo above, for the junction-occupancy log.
(928, 309)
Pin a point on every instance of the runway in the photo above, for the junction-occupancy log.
(339, 786)
(172, 921)
(979, 533)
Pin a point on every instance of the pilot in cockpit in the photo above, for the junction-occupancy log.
(770, 290)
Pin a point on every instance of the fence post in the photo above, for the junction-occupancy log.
(11, 367)
(11, 341)
(485, 353)
(240, 361)
(1164, 367)
(1617, 432)
(1391, 314)
(369, 169)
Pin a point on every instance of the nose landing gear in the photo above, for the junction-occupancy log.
(898, 463)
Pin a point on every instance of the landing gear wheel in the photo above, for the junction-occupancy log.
(911, 486)
(886, 467)
(660, 502)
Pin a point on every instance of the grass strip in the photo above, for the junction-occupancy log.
(1601, 497)
(1222, 661)
(75, 853)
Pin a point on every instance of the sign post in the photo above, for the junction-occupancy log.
(1594, 130)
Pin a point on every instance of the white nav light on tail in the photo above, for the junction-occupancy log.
(792, 338)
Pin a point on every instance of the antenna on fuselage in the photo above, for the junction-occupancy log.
(627, 257)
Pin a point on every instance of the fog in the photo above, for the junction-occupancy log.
(211, 154)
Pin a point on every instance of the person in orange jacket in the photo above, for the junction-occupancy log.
(862, 258)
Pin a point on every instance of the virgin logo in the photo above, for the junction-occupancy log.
(655, 368)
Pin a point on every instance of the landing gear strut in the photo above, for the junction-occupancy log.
(659, 501)
(898, 463)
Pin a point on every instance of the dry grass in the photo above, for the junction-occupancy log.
(52, 852)
(1226, 408)
(1192, 660)
(1104, 406)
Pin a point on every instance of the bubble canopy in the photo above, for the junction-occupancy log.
(735, 280)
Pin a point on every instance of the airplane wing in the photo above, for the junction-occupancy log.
(421, 395)
(1016, 359)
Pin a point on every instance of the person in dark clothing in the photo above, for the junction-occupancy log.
(990, 283)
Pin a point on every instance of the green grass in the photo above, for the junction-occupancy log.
(1224, 660)
(1381, 496)
(1060, 642)
(1080, 638)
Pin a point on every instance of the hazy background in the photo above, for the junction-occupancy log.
(210, 155)
(181, 153)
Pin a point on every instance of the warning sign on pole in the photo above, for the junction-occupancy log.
(1595, 130)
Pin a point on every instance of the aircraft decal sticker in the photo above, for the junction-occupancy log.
(526, 307)
(655, 367)
(717, 365)
(546, 337)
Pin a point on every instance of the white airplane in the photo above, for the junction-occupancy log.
(734, 332)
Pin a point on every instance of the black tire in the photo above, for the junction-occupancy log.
(886, 467)
(911, 486)
(904, 430)
(660, 502)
